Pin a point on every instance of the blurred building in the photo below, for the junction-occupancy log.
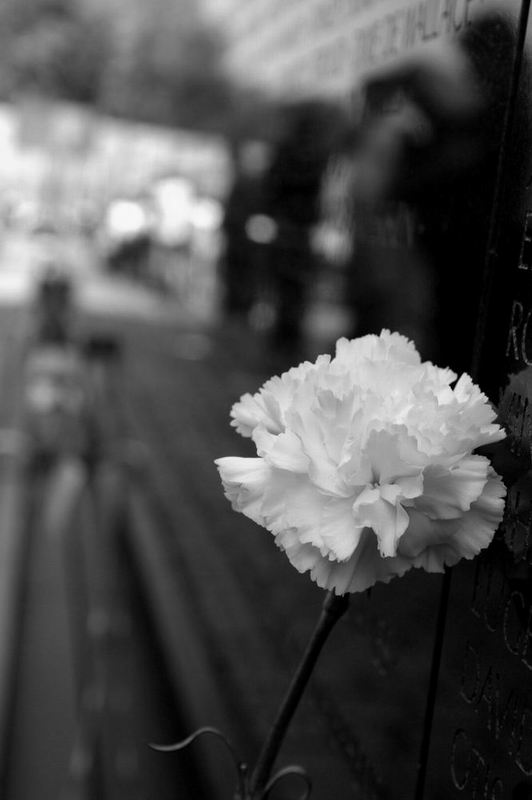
(323, 47)
(63, 161)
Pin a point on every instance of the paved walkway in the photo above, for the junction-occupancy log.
(82, 689)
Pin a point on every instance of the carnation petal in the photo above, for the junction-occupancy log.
(432, 544)
(251, 411)
(283, 451)
(338, 529)
(391, 453)
(244, 481)
(423, 533)
(449, 491)
(303, 557)
(321, 468)
(386, 346)
(362, 571)
(314, 517)
(478, 526)
(291, 501)
(388, 521)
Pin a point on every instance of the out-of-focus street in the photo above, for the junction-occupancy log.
(83, 688)
(139, 597)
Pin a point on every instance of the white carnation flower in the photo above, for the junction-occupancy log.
(365, 464)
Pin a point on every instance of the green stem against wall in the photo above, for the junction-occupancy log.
(333, 608)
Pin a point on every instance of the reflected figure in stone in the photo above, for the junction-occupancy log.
(427, 170)
(242, 255)
(292, 184)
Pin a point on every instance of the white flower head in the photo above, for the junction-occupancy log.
(365, 464)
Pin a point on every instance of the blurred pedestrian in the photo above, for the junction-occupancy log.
(244, 205)
(54, 310)
(425, 177)
(292, 187)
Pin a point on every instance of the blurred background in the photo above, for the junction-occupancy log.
(195, 196)
(131, 133)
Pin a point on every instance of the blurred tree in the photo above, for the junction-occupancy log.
(53, 48)
(167, 69)
(157, 62)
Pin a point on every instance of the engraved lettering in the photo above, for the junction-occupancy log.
(508, 719)
(515, 321)
(284, 43)
(526, 654)
(518, 519)
(488, 594)
(524, 418)
(525, 258)
(524, 338)
(501, 716)
(460, 18)
(517, 343)
(460, 759)
(470, 674)
(497, 790)
(490, 695)
(476, 777)
(447, 12)
(393, 34)
(410, 28)
(523, 757)
(512, 625)
(470, 770)
(466, 17)
(513, 418)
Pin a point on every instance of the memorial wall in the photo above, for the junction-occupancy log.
(445, 665)
(482, 731)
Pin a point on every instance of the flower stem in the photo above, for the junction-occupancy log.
(333, 608)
